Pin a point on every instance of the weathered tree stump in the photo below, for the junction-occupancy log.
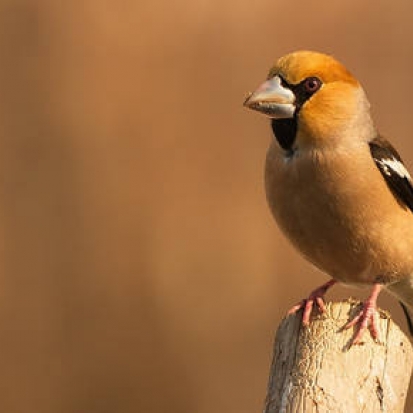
(315, 370)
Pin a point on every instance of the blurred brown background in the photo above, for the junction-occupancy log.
(142, 269)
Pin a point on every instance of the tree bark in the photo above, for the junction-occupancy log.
(315, 370)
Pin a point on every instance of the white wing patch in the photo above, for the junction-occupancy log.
(393, 166)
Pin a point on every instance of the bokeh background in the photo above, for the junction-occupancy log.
(142, 271)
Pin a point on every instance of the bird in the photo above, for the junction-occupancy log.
(336, 187)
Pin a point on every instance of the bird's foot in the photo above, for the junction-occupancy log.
(366, 318)
(316, 297)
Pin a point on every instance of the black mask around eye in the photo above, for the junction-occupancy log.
(285, 130)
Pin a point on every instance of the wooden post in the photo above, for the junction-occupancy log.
(314, 370)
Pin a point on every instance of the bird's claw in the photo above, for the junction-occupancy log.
(365, 319)
(316, 297)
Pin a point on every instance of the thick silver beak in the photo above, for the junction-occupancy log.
(272, 99)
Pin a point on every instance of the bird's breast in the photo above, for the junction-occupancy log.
(339, 213)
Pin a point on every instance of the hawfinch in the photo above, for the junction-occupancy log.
(337, 189)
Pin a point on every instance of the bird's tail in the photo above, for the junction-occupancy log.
(408, 314)
(403, 291)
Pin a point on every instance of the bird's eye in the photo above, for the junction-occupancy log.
(312, 84)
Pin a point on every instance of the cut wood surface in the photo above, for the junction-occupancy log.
(315, 370)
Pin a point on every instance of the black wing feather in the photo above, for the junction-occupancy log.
(399, 182)
(401, 185)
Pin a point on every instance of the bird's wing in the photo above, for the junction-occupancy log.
(400, 183)
(393, 170)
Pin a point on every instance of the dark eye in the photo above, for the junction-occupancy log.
(312, 84)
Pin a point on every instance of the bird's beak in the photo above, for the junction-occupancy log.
(272, 99)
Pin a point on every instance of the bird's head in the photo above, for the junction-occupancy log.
(312, 100)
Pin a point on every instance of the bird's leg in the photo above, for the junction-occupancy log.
(366, 318)
(307, 304)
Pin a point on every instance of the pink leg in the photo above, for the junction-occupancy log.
(308, 303)
(366, 318)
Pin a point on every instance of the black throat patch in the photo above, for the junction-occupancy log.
(285, 131)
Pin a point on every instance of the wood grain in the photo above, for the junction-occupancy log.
(315, 370)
